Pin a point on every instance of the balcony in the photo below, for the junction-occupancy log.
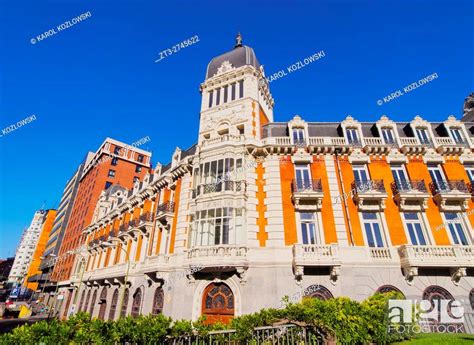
(451, 195)
(219, 258)
(456, 258)
(410, 195)
(413, 146)
(377, 146)
(447, 145)
(278, 145)
(165, 213)
(316, 255)
(124, 231)
(307, 195)
(220, 187)
(369, 195)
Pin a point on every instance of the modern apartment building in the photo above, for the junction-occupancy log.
(113, 163)
(26, 248)
(258, 210)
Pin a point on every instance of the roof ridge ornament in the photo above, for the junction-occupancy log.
(238, 40)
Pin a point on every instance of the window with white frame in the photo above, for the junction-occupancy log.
(352, 136)
(215, 175)
(309, 226)
(457, 135)
(456, 228)
(437, 176)
(217, 227)
(400, 177)
(423, 136)
(470, 172)
(373, 229)
(298, 136)
(388, 135)
(303, 176)
(415, 228)
(361, 176)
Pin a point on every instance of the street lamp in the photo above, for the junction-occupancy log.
(127, 258)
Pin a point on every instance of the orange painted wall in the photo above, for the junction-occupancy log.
(39, 250)
(262, 222)
(379, 169)
(347, 179)
(318, 171)
(287, 175)
(263, 121)
(418, 170)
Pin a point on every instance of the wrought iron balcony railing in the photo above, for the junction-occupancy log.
(409, 186)
(448, 186)
(222, 186)
(165, 207)
(369, 186)
(146, 217)
(307, 186)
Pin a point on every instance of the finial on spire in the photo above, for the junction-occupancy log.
(238, 40)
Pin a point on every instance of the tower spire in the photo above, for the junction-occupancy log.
(238, 40)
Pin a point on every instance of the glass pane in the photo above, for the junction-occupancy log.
(420, 235)
(304, 230)
(370, 238)
(378, 235)
(312, 233)
(461, 235)
(411, 232)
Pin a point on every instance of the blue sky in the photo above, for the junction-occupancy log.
(98, 78)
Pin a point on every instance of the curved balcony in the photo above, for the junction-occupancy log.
(410, 195)
(224, 257)
(307, 195)
(369, 195)
(316, 255)
(142, 224)
(165, 213)
(451, 195)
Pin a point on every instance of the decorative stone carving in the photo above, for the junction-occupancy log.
(457, 274)
(225, 67)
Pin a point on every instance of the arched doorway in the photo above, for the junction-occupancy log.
(388, 288)
(103, 303)
(319, 292)
(94, 299)
(158, 301)
(113, 305)
(218, 303)
(136, 303)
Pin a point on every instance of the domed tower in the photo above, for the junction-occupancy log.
(236, 99)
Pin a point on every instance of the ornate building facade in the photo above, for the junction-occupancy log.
(258, 209)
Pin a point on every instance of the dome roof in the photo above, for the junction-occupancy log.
(239, 56)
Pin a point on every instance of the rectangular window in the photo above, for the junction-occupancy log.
(218, 96)
(114, 161)
(470, 173)
(140, 158)
(352, 136)
(415, 228)
(438, 179)
(210, 98)
(225, 93)
(138, 168)
(388, 136)
(372, 229)
(117, 150)
(422, 134)
(107, 185)
(456, 228)
(360, 175)
(111, 173)
(298, 136)
(233, 91)
(308, 228)
(303, 177)
(136, 179)
(400, 178)
(457, 135)
(241, 88)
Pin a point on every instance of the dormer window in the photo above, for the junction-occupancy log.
(352, 136)
(423, 136)
(388, 136)
(457, 135)
(298, 136)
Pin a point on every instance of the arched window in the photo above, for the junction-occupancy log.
(218, 303)
(435, 294)
(136, 303)
(158, 301)
(388, 288)
(113, 305)
(87, 300)
(123, 312)
(94, 299)
(81, 303)
(319, 292)
(103, 303)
